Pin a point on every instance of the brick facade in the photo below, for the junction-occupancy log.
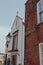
(33, 39)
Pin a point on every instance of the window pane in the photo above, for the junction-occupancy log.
(15, 42)
(39, 5)
(41, 16)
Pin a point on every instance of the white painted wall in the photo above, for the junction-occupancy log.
(18, 25)
(20, 58)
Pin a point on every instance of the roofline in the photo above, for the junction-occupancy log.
(8, 35)
(19, 17)
(26, 2)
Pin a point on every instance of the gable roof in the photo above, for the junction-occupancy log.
(16, 19)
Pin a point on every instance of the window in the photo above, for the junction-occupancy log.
(41, 53)
(15, 42)
(41, 16)
(40, 11)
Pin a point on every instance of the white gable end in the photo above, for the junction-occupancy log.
(15, 25)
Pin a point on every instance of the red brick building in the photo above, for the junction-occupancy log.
(34, 32)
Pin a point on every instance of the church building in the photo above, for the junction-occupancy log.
(15, 42)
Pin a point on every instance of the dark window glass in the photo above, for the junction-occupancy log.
(15, 42)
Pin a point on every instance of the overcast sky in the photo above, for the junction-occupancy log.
(8, 9)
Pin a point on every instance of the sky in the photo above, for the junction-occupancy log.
(8, 11)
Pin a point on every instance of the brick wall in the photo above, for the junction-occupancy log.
(32, 40)
(30, 14)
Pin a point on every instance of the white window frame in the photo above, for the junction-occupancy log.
(38, 19)
(40, 55)
(38, 16)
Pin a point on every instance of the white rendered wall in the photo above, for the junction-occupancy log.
(20, 57)
(20, 27)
